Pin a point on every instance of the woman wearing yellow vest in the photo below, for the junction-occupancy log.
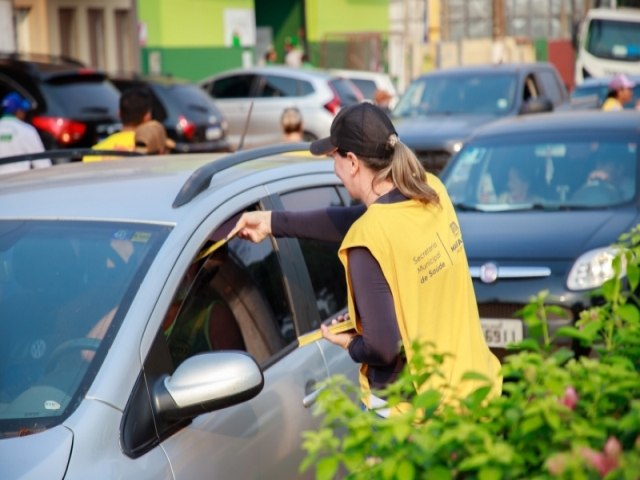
(407, 272)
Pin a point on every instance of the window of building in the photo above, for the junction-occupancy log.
(96, 37)
(68, 32)
(124, 41)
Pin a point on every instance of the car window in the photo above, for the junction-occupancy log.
(82, 96)
(234, 86)
(278, 86)
(189, 100)
(346, 91)
(64, 289)
(233, 299)
(367, 87)
(552, 90)
(557, 173)
(474, 94)
(326, 271)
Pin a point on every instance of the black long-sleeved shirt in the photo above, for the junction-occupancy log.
(379, 345)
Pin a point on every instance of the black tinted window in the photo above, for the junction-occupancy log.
(233, 299)
(188, 100)
(345, 90)
(236, 86)
(82, 96)
(326, 271)
(276, 86)
(367, 87)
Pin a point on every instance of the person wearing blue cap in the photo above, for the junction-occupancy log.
(18, 137)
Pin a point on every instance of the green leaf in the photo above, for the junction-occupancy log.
(489, 473)
(528, 344)
(633, 275)
(474, 462)
(438, 473)
(531, 424)
(629, 313)
(572, 332)
(326, 468)
(406, 470)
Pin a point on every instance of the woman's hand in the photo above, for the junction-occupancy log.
(341, 339)
(254, 226)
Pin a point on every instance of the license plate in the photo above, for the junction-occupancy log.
(213, 133)
(501, 332)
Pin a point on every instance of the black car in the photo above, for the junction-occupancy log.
(189, 115)
(72, 106)
(441, 109)
(540, 200)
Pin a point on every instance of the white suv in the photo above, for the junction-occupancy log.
(253, 99)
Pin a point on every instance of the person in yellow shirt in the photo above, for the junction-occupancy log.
(620, 93)
(402, 249)
(135, 109)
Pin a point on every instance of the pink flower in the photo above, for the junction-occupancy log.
(613, 449)
(556, 464)
(600, 461)
(570, 398)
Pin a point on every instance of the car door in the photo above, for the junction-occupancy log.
(237, 298)
(233, 97)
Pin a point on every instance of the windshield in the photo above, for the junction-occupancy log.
(614, 39)
(543, 174)
(64, 289)
(82, 97)
(469, 94)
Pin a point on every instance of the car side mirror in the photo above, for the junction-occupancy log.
(207, 382)
(536, 105)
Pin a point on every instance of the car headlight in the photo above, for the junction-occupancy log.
(592, 269)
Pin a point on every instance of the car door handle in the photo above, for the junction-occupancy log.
(311, 398)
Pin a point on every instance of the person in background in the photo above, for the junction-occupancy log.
(402, 249)
(291, 123)
(382, 99)
(18, 137)
(270, 56)
(135, 109)
(292, 52)
(620, 93)
(151, 139)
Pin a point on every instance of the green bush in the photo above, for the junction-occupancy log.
(560, 415)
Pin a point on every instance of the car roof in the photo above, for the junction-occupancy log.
(485, 69)
(562, 122)
(44, 65)
(136, 78)
(295, 72)
(140, 189)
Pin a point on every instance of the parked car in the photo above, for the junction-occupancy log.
(368, 82)
(441, 109)
(188, 114)
(72, 106)
(556, 233)
(133, 346)
(253, 99)
(592, 93)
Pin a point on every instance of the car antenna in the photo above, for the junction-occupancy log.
(246, 127)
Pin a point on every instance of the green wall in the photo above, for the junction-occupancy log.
(186, 23)
(346, 16)
(194, 63)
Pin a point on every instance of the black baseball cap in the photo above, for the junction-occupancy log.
(362, 129)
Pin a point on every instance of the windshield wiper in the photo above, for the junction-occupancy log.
(466, 207)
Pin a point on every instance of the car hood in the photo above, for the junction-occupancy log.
(436, 130)
(41, 455)
(559, 235)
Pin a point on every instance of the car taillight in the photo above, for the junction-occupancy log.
(334, 105)
(187, 128)
(65, 131)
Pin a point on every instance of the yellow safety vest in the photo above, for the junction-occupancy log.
(421, 253)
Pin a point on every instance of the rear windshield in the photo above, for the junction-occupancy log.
(81, 96)
(188, 99)
(346, 91)
(65, 288)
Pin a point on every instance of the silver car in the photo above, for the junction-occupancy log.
(252, 101)
(135, 345)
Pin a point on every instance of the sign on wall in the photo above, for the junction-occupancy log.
(239, 27)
